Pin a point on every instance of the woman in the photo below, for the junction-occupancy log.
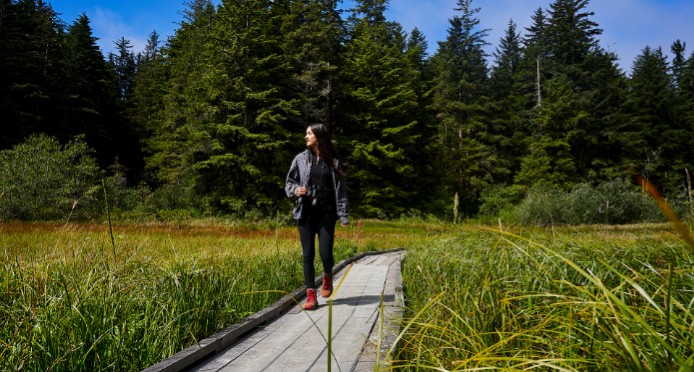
(316, 181)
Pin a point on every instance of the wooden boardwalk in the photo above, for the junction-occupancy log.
(366, 310)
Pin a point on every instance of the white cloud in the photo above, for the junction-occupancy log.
(110, 26)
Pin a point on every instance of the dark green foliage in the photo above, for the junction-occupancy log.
(379, 104)
(207, 122)
(313, 38)
(248, 109)
(507, 62)
(31, 61)
(423, 153)
(145, 106)
(499, 201)
(557, 123)
(461, 101)
(90, 102)
(123, 65)
(579, 98)
(508, 128)
(661, 139)
(125, 135)
(41, 179)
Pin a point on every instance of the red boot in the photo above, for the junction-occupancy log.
(311, 301)
(327, 289)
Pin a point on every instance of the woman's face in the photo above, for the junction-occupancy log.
(311, 141)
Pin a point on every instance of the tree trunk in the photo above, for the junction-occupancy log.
(689, 184)
(538, 85)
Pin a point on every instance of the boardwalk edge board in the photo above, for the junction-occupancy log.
(227, 337)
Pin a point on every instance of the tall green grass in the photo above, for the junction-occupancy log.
(69, 302)
(588, 298)
(601, 298)
(92, 314)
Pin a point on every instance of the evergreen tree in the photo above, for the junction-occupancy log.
(599, 148)
(125, 133)
(571, 37)
(685, 92)
(460, 100)
(536, 33)
(424, 151)
(123, 65)
(248, 156)
(146, 105)
(507, 62)
(682, 100)
(532, 71)
(313, 41)
(550, 161)
(417, 46)
(658, 140)
(220, 131)
(685, 110)
(377, 112)
(678, 61)
(89, 95)
(509, 128)
(574, 67)
(176, 141)
(56, 82)
(31, 58)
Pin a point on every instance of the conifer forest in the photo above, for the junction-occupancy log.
(206, 123)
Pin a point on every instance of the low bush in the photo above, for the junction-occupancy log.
(612, 202)
(41, 179)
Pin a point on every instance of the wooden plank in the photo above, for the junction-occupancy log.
(207, 355)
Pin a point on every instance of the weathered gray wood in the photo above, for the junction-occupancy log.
(386, 329)
(284, 337)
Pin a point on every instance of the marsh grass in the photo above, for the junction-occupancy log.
(95, 315)
(597, 298)
(588, 298)
(71, 299)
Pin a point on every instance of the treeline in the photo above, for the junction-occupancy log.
(210, 119)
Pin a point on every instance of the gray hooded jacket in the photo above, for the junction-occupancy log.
(299, 175)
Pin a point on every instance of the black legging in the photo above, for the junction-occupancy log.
(322, 224)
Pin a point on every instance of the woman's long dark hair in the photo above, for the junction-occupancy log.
(325, 146)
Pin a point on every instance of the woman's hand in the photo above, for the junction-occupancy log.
(300, 191)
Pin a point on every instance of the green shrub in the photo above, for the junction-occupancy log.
(540, 207)
(42, 179)
(624, 203)
(611, 202)
(499, 200)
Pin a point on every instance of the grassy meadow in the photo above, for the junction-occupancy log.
(73, 299)
(604, 298)
(590, 298)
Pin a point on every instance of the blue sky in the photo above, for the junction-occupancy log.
(628, 25)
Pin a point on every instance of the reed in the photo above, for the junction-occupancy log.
(586, 298)
(601, 298)
(72, 299)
